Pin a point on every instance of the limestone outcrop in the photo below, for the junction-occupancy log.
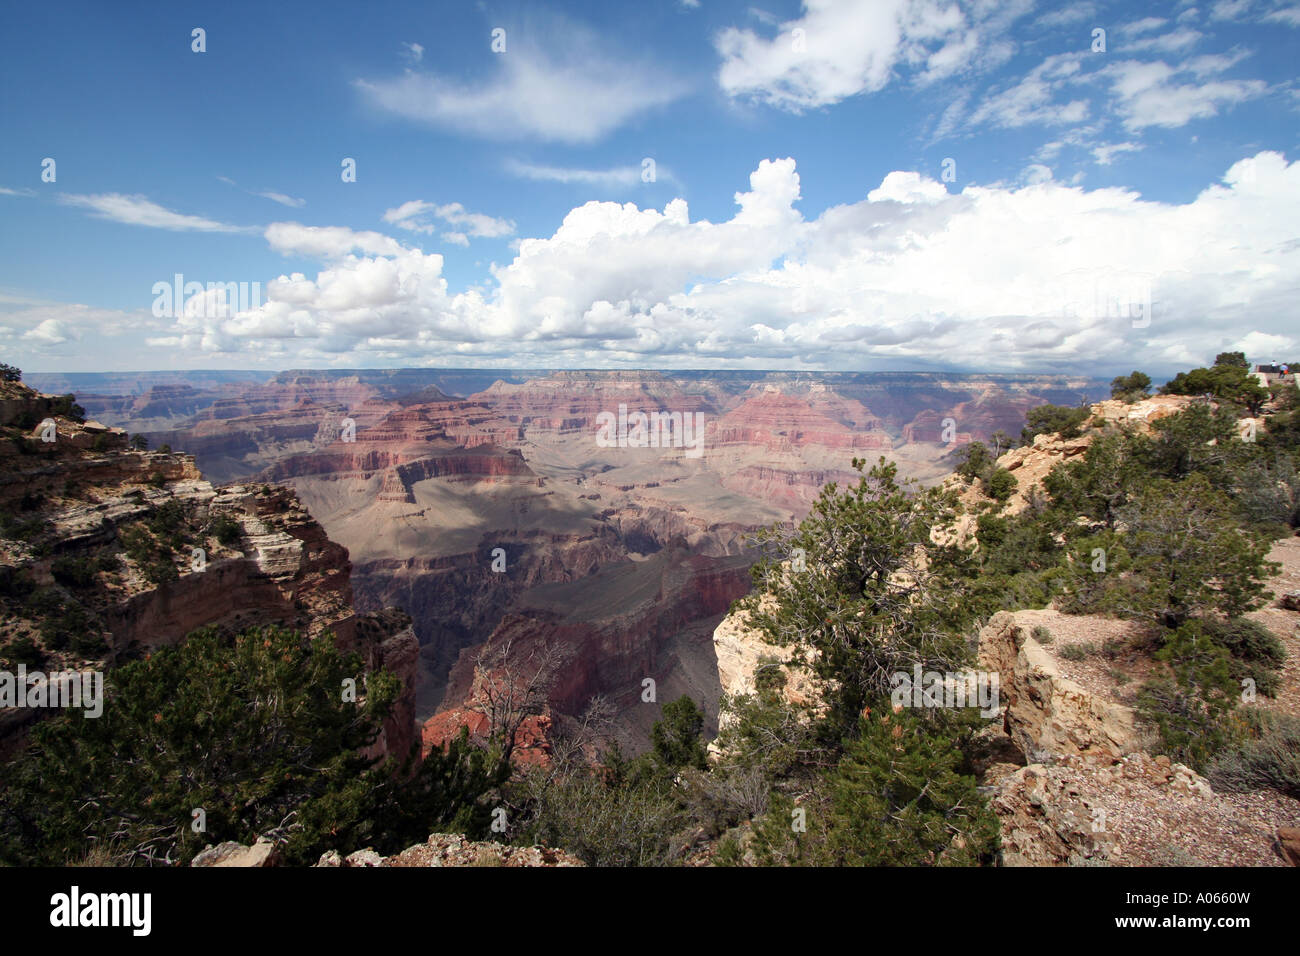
(741, 651)
(1044, 712)
(263, 853)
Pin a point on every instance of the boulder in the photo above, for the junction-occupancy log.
(1288, 844)
(261, 853)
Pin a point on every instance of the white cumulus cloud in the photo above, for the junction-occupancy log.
(1043, 276)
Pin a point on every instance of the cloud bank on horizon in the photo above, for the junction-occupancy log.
(1046, 197)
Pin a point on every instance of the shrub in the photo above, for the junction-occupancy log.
(66, 406)
(1098, 484)
(168, 518)
(1256, 653)
(1000, 484)
(23, 650)
(1130, 388)
(617, 815)
(1190, 703)
(76, 572)
(1267, 492)
(1235, 359)
(10, 373)
(1042, 635)
(225, 529)
(899, 796)
(973, 460)
(1182, 553)
(843, 616)
(1053, 419)
(676, 738)
(136, 542)
(253, 729)
(15, 582)
(1199, 439)
(64, 623)
(160, 569)
(89, 645)
(1229, 383)
(1267, 755)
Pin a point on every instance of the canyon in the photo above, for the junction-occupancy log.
(481, 503)
(110, 552)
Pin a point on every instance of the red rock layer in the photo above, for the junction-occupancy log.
(778, 422)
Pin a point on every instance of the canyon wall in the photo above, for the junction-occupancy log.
(107, 552)
(469, 511)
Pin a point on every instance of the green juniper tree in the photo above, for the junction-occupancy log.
(258, 732)
(877, 593)
(1131, 388)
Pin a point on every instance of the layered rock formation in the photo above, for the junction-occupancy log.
(604, 636)
(459, 509)
(107, 552)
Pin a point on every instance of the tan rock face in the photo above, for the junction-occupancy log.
(230, 854)
(739, 650)
(1044, 712)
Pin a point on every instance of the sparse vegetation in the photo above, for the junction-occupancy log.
(22, 650)
(76, 572)
(1265, 755)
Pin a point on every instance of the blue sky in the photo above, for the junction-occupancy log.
(840, 184)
